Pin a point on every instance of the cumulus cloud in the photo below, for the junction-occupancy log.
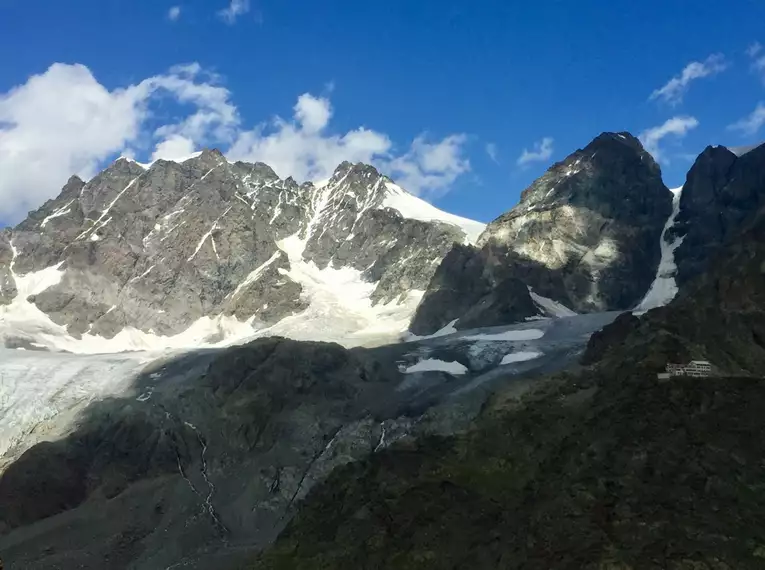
(64, 122)
(541, 152)
(302, 148)
(676, 127)
(754, 51)
(491, 150)
(215, 117)
(674, 90)
(59, 123)
(235, 9)
(752, 123)
(429, 167)
(174, 13)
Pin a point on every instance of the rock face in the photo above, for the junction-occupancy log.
(206, 441)
(585, 234)
(718, 316)
(200, 459)
(601, 467)
(7, 283)
(720, 194)
(156, 249)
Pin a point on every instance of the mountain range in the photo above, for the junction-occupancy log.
(453, 363)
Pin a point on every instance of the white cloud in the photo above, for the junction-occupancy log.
(676, 126)
(754, 49)
(175, 147)
(758, 66)
(59, 123)
(676, 87)
(313, 113)
(235, 9)
(542, 151)
(302, 148)
(429, 167)
(752, 123)
(174, 13)
(491, 150)
(214, 118)
(63, 121)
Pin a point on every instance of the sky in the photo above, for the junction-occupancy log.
(463, 103)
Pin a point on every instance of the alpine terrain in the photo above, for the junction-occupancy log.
(178, 255)
(204, 365)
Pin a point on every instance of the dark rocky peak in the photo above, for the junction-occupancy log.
(586, 234)
(720, 195)
(615, 142)
(613, 175)
(706, 180)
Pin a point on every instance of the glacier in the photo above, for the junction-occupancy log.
(664, 288)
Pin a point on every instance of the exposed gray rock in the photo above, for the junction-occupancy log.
(157, 249)
(356, 230)
(469, 287)
(585, 234)
(206, 456)
(7, 282)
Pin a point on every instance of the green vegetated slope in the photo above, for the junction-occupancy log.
(602, 467)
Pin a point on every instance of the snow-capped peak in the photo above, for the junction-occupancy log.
(414, 208)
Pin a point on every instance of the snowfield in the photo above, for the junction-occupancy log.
(663, 289)
(412, 207)
(340, 311)
(41, 393)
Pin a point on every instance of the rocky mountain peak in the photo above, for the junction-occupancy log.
(589, 221)
(210, 156)
(74, 180)
(720, 194)
(612, 168)
(229, 248)
(615, 140)
(355, 175)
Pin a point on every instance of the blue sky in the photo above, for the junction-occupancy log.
(454, 76)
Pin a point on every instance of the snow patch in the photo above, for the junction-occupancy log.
(435, 365)
(209, 233)
(409, 206)
(99, 223)
(519, 357)
(63, 210)
(340, 307)
(256, 273)
(550, 307)
(447, 330)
